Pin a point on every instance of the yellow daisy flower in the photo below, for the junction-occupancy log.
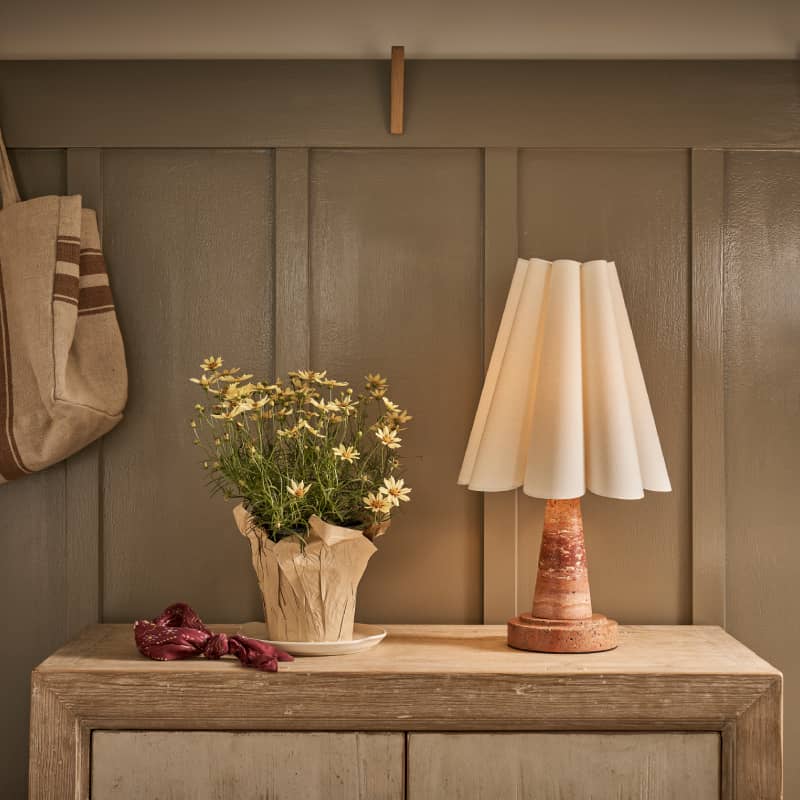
(241, 407)
(211, 363)
(324, 405)
(395, 490)
(331, 383)
(388, 437)
(375, 381)
(308, 375)
(346, 404)
(349, 453)
(296, 489)
(377, 503)
(303, 424)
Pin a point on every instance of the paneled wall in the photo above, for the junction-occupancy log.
(271, 218)
(396, 265)
(190, 234)
(34, 551)
(762, 416)
(632, 206)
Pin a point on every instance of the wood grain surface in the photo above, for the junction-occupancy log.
(762, 412)
(708, 388)
(650, 650)
(200, 765)
(398, 77)
(554, 766)
(421, 678)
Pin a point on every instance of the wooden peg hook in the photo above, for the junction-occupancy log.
(398, 89)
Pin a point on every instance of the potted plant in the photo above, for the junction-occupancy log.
(315, 467)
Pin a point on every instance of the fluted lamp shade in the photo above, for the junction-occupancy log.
(564, 408)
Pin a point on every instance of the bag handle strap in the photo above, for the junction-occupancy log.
(8, 186)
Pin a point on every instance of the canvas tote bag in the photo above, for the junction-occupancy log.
(63, 380)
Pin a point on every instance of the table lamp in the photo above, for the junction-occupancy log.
(564, 408)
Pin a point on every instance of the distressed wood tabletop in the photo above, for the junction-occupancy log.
(479, 650)
(420, 678)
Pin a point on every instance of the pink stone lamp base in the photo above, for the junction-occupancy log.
(592, 635)
(562, 620)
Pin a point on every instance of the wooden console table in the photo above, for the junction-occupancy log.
(432, 712)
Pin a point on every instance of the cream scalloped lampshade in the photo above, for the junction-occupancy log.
(564, 406)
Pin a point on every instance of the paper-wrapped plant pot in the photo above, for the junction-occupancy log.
(309, 592)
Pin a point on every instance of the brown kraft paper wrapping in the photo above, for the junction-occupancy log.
(309, 593)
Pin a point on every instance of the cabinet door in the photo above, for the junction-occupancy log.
(200, 765)
(564, 766)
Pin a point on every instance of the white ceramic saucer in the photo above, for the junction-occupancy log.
(364, 637)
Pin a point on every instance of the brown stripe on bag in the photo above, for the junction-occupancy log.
(91, 311)
(94, 297)
(92, 263)
(67, 250)
(11, 465)
(65, 287)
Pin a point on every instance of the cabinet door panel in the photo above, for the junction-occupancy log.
(564, 766)
(200, 765)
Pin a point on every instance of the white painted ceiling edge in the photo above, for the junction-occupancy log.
(474, 29)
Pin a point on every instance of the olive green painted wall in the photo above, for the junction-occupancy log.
(263, 211)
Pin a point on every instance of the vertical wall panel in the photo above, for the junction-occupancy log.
(631, 207)
(396, 273)
(500, 509)
(189, 241)
(292, 334)
(708, 389)
(762, 416)
(33, 590)
(84, 177)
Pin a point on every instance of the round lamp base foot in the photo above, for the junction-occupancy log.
(591, 635)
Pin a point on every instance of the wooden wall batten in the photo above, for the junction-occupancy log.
(762, 415)
(84, 514)
(448, 104)
(708, 389)
(292, 299)
(500, 519)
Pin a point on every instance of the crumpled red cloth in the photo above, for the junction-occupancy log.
(177, 632)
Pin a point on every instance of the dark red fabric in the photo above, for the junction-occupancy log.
(179, 633)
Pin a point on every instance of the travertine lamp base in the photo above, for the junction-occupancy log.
(562, 620)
